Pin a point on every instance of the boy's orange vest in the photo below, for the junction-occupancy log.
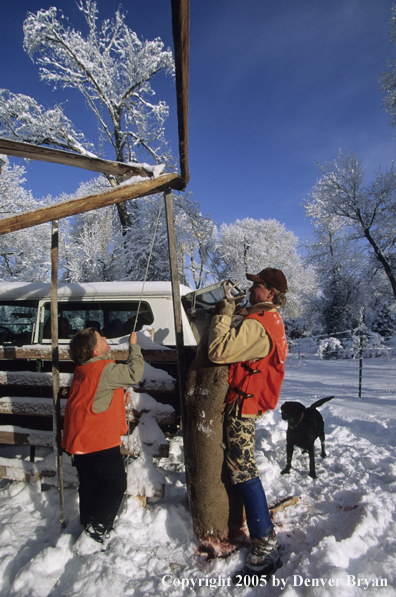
(85, 431)
(257, 384)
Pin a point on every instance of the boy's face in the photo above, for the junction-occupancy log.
(101, 347)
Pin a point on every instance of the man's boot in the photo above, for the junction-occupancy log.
(263, 558)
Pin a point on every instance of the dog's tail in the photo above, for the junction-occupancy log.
(320, 402)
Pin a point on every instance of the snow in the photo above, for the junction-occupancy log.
(340, 532)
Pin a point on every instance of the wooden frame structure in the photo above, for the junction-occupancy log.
(148, 186)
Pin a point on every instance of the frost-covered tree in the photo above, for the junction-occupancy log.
(249, 245)
(196, 236)
(339, 263)
(24, 255)
(94, 249)
(112, 69)
(368, 210)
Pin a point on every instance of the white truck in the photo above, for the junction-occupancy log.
(111, 307)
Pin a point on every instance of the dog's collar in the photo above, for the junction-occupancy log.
(301, 418)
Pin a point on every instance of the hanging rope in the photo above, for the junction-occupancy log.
(134, 328)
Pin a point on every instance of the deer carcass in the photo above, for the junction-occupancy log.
(215, 504)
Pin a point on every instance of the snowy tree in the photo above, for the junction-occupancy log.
(23, 119)
(24, 255)
(112, 69)
(339, 263)
(368, 210)
(196, 235)
(94, 249)
(249, 245)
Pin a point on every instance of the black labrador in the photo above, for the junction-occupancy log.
(304, 426)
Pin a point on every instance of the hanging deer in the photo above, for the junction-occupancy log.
(215, 504)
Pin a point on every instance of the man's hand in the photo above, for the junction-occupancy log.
(223, 307)
(127, 397)
(133, 338)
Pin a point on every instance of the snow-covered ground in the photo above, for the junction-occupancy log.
(340, 534)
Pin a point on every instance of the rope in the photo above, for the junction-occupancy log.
(134, 328)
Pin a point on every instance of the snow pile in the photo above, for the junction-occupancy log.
(142, 402)
(144, 479)
(156, 379)
(339, 535)
(146, 436)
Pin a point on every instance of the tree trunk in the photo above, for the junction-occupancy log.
(124, 216)
(382, 259)
(215, 504)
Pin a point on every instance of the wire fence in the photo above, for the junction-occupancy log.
(361, 347)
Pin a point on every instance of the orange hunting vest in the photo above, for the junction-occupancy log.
(257, 384)
(85, 431)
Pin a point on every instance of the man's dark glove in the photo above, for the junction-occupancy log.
(223, 307)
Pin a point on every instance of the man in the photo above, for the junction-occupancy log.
(256, 352)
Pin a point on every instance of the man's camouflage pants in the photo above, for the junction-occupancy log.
(240, 434)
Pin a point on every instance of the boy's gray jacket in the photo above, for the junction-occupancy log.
(117, 375)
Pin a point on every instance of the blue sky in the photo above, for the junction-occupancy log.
(274, 87)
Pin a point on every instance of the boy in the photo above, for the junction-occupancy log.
(94, 423)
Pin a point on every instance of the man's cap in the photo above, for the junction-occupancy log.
(274, 277)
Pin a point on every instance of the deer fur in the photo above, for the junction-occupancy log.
(215, 504)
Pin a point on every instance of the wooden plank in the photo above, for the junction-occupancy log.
(57, 156)
(42, 407)
(30, 407)
(77, 206)
(181, 42)
(26, 437)
(19, 436)
(44, 379)
(43, 352)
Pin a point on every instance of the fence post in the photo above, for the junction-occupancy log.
(360, 352)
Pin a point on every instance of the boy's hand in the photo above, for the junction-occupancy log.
(133, 338)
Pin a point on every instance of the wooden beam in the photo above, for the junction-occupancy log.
(77, 206)
(43, 352)
(177, 306)
(57, 156)
(56, 413)
(181, 42)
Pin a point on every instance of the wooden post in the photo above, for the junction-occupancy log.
(56, 418)
(177, 306)
(361, 353)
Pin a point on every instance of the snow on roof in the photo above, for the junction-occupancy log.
(35, 290)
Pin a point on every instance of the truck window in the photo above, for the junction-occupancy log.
(111, 319)
(17, 320)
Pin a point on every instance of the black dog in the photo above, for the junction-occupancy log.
(305, 425)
